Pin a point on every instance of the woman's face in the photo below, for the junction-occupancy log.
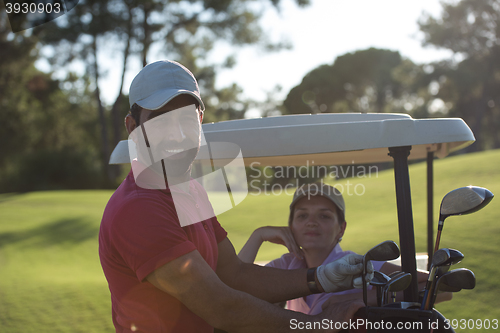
(315, 224)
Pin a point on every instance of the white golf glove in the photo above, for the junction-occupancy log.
(344, 273)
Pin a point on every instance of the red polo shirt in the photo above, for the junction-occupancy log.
(139, 233)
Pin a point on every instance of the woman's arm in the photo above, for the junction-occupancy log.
(277, 235)
(249, 251)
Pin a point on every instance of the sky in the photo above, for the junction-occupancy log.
(319, 33)
(325, 30)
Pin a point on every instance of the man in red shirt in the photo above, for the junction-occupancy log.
(169, 264)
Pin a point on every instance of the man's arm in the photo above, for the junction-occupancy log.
(190, 280)
(267, 283)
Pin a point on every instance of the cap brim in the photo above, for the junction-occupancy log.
(162, 97)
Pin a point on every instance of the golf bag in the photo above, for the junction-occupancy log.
(395, 319)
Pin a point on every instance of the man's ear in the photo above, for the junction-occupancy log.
(130, 123)
(201, 116)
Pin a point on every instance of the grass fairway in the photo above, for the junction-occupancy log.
(51, 279)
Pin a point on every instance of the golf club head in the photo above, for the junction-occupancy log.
(460, 278)
(454, 281)
(398, 283)
(446, 257)
(395, 273)
(379, 279)
(387, 250)
(439, 259)
(455, 257)
(464, 200)
(446, 288)
(442, 270)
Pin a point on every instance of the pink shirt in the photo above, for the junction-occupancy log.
(312, 304)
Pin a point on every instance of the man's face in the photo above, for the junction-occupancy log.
(172, 134)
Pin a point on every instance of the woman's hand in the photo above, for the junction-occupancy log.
(280, 235)
(276, 235)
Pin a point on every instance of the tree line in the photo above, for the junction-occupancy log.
(374, 80)
(58, 133)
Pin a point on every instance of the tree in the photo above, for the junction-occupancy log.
(47, 132)
(16, 56)
(77, 37)
(186, 31)
(469, 84)
(362, 81)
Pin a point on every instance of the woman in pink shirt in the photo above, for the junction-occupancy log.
(316, 225)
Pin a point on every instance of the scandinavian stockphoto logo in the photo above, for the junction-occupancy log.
(163, 150)
(26, 14)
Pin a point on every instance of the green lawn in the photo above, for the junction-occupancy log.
(51, 279)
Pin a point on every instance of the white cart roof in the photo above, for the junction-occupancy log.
(328, 139)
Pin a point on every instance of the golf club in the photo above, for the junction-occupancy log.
(397, 283)
(443, 269)
(462, 201)
(441, 258)
(396, 273)
(454, 281)
(392, 275)
(379, 280)
(387, 250)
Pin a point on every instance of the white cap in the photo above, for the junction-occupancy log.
(161, 81)
(322, 189)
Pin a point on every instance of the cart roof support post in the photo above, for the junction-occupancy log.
(430, 208)
(405, 218)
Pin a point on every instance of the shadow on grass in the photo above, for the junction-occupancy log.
(6, 197)
(64, 231)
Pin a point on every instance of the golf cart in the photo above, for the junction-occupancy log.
(340, 139)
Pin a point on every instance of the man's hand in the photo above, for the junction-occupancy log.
(340, 312)
(343, 274)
